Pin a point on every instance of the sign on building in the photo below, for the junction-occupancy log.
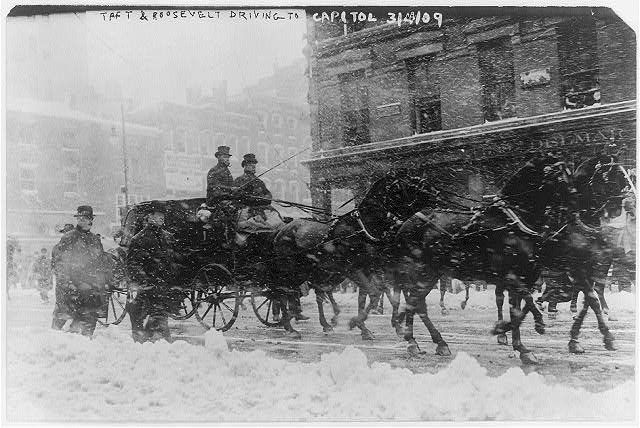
(182, 173)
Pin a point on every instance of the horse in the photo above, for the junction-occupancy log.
(584, 248)
(491, 243)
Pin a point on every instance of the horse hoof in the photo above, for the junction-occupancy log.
(528, 358)
(463, 304)
(575, 348)
(294, 335)
(327, 329)
(575, 316)
(445, 311)
(400, 331)
(353, 322)
(414, 350)
(500, 327)
(539, 327)
(334, 321)
(443, 349)
(502, 339)
(609, 344)
(367, 335)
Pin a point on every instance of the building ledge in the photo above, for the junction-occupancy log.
(437, 137)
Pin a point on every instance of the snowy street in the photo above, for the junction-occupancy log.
(264, 376)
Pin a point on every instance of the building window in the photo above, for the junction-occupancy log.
(291, 155)
(278, 153)
(577, 56)
(206, 143)
(263, 153)
(279, 189)
(495, 58)
(277, 120)
(245, 146)
(354, 105)
(69, 140)
(424, 89)
(179, 136)
(70, 180)
(292, 194)
(291, 123)
(192, 143)
(27, 177)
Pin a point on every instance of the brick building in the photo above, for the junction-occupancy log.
(63, 144)
(58, 158)
(269, 119)
(471, 98)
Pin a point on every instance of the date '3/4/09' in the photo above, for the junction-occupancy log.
(398, 18)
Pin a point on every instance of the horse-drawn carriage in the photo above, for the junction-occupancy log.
(216, 266)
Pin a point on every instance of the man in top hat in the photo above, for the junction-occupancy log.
(219, 179)
(252, 189)
(78, 264)
(149, 264)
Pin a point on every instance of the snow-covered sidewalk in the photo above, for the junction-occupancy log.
(56, 376)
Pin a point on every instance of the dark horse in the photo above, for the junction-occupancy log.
(498, 243)
(584, 248)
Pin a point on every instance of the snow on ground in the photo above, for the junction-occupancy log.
(57, 376)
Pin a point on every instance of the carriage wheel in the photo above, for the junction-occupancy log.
(185, 310)
(116, 306)
(264, 308)
(215, 298)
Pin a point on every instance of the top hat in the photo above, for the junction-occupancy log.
(85, 211)
(249, 158)
(223, 150)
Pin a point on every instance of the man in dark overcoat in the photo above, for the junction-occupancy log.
(80, 286)
(149, 264)
(251, 189)
(219, 178)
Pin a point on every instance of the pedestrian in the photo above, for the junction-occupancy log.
(77, 261)
(149, 264)
(13, 253)
(42, 273)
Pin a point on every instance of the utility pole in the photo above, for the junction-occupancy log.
(124, 160)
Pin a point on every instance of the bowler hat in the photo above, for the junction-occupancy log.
(249, 158)
(223, 150)
(84, 211)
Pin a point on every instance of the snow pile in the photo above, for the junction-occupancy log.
(56, 376)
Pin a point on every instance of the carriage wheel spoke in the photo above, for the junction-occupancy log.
(227, 306)
(268, 309)
(262, 304)
(215, 307)
(211, 305)
(224, 321)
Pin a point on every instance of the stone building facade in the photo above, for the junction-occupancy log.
(471, 97)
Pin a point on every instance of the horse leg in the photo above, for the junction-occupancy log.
(286, 317)
(463, 304)
(502, 337)
(516, 316)
(599, 288)
(363, 312)
(442, 347)
(530, 306)
(413, 349)
(326, 327)
(334, 307)
(574, 345)
(362, 301)
(592, 300)
(396, 322)
(574, 301)
(445, 282)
